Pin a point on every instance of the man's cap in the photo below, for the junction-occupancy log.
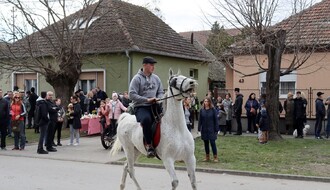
(149, 60)
(237, 89)
(319, 93)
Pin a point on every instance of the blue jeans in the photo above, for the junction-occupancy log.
(213, 146)
(19, 137)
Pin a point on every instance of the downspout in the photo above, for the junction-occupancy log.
(129, 72)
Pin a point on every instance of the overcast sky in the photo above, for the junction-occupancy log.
(188, 15)
(183, 15)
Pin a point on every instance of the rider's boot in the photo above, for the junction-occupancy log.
(150, 151)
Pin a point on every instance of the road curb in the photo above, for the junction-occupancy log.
(237, 172)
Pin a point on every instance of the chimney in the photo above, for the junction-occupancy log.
(192, 38)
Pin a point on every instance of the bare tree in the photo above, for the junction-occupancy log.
(256, 17)
(49, 44)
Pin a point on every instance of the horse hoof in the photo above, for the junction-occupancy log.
(175, 184)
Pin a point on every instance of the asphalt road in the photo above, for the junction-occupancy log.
(87, 167)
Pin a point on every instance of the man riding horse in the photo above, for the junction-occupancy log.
(144, 90)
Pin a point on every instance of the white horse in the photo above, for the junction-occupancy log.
(176, 142)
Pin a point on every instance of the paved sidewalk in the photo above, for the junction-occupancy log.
(90, 149)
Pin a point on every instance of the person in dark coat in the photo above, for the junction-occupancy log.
(32, 100)
(4, 115)
(76, 123)
(52, 111)
(263, 125)
(251, 107)
(300, 105)
(43, 121)
(320, 114)
(209, 127)
(238, 110)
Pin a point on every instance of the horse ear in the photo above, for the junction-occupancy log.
(170, 72)
(179, 72)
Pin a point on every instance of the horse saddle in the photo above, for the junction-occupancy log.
(155, 131)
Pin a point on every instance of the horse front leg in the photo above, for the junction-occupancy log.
(169, 165)
(191, 168)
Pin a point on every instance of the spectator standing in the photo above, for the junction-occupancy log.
(289, 114)
(32, 99)
(4, 115)
(76, 123)
(320, 114)
(300, 105)
(222, 118)
(8, 98)
(195, 106)
(238, 110)
(125, 100)
(17, 110)
(228, 107)
(209, 127)
(104, 114)
(251, 107)
(52, 111)
(188, 113)
(42, 120)
(263, 125)
(115, 109)
(327, 102)
(90, 102)
(100, 95)
(60, 120)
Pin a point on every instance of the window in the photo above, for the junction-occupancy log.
(29, 83)
(287, 83)
(25, 81)
(286, 87)
(89, 80)
(81, 23)
(193, 73)
(86, 85)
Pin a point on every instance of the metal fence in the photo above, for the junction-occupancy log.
(310, 95)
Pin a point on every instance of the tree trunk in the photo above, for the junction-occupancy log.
(64, 80)
(274, 47)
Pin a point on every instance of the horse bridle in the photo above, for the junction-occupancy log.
(172, 84)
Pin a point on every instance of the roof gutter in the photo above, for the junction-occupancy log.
(129, 75)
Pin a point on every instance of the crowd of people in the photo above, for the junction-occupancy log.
(45, 114)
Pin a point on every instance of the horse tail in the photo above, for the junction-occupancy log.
(116, 147)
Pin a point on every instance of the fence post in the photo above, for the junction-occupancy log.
(310, 102)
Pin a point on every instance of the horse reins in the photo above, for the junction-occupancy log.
(174, 95)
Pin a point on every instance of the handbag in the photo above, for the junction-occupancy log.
(15, 125)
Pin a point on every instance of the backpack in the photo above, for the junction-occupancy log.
(37, 115)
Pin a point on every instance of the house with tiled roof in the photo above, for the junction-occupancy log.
(120, 35)
(217, 71)
(310, 29)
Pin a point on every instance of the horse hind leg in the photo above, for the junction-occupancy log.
(191, 167)
(124, 176)
(129, 167)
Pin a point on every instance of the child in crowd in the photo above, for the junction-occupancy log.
(70, 119)
(263, 125)
(222, 118)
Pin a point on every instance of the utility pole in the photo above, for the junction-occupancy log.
(13, 17)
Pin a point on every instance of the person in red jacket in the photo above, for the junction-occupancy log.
(17, 110)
